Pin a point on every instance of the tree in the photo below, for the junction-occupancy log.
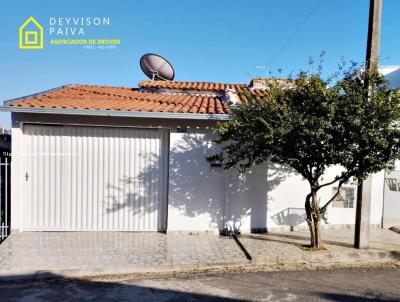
(310, 124)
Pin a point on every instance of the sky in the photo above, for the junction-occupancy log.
(207, 40)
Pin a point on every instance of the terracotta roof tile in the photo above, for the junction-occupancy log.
(244, 93)
(189, 86)
(122, 98)
(152, 96)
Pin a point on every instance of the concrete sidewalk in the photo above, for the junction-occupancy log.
(75, 254)
(288, 247)
(39, 255)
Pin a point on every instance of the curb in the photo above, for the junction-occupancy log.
(395, 229)
(249, 268)
(186, 271)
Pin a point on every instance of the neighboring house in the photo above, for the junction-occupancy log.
(392, 75)
(5, 142)
(96, 158)
(391, 209)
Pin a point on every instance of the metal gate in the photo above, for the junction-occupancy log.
(4, 197)
(95, 179)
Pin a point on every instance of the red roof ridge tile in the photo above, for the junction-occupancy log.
(98, 86)
(188, 85)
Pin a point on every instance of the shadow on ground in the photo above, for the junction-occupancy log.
(50, 287)
(354, 285)
(289, 239)
(350, 298)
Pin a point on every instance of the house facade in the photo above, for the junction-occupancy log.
(391, 179)
(97, 158)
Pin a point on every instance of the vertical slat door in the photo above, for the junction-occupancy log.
(111, 179)
(43, 206)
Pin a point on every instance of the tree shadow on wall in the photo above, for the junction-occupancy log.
(290, 217)
(250, 193)
(196, 189)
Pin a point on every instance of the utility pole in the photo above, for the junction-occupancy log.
(363, 211)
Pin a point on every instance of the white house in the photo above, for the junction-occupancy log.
(96, 158)
(391, 179)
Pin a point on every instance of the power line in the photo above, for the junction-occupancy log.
(309, 15)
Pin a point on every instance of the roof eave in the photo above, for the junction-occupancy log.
(117, 113)
(33, 95)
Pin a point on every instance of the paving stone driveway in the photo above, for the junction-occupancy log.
(94, 253)
(284, 247)
(102, 251)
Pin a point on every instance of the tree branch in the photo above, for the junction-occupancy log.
(343, 178)
(329, 183)
(323, 209)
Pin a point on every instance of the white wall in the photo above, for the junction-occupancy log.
(397, 165)
(392, 74)
(248, 196)
(199, 195)
(390, 199)
(391, 213)
(273, 197)
(265, 197)
(377, 197)
(196, 191)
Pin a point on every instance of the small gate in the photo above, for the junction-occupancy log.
(4, 197)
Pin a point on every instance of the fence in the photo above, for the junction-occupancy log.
(4, 197)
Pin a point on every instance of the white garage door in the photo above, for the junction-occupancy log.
(95, 178)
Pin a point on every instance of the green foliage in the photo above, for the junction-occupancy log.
(310, 124)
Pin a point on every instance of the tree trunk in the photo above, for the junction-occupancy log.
(317, 225)
(318, 236)
(309, 219)
(313, 220)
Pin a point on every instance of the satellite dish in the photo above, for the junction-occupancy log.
(156, 67)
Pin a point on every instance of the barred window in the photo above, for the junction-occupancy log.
(393, 184)
(345, 199)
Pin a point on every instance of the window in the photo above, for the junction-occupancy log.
(393, 184)
(345, 199)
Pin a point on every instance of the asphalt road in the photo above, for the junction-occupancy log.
(323, 285)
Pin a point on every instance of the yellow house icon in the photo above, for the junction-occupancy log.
(31, 35)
